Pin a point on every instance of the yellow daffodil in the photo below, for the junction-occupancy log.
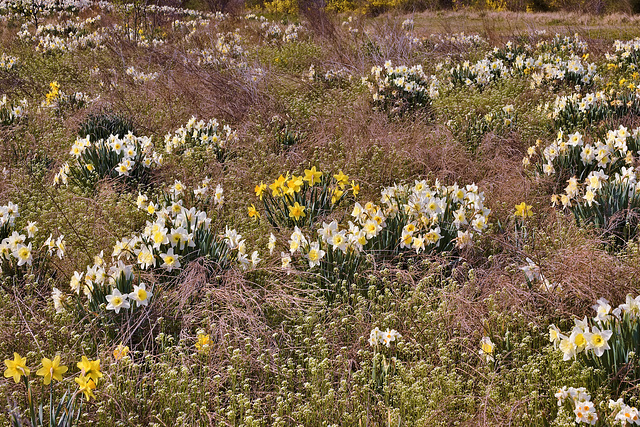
(253, 212)
(342, 179)
(90, 369)
(523, 210)
(51, 370)
(296, 211)
(16, 368)
(335, 195)
(277, 186)
(355, 188)
(312, 175)
(86, 385)
(204, 342)
(260, 189)
(120, 351)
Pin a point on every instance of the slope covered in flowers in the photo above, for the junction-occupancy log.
(263, 219)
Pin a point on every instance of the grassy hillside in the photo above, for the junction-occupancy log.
(324, 220)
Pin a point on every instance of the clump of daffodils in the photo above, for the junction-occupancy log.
(59, 101)
(626, 54)
(51, 370)
(579, 111)
(211, 135)
(297, 200)
(580, 402)
(128, 157)
(602, 180)
(141, 77)
(608, 341)
(624, 414)
(473, 127)
(173, 237)
(378, 337)
(12, 112)
(17, 249)
(401, 88)
(7, 62)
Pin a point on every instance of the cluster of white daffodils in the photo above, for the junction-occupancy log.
(43, 7)
(273, 31)
(594, 164)
(191, 26)
(422, 218)
(479, 74)
(227, 52)
(627, 54)
(397, 88)
(8, 214)
(583, 407)
(67, 36)
(458, 40)
(7, 62)
(141, 77)
(209, 134)
(176, 232)
(582, 338)
(551, 69)
(16, 249)
(11, 112)
(431, 216)
(564, 45)
(377, 337)
(176, 236)
(113, 157)
(624, 414)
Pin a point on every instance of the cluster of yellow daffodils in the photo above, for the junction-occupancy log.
(52, 370)
(299, 199)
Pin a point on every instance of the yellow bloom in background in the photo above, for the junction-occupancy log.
(51, 370)
(204, 342)
(312, 175)
(90, 369)
(296, 211)
(355, 188)
(523, 210)
(342, 179)
(260, 189)
(16, 368)
(120, 351)
(86, 386)
(253, 212)
(335, 196)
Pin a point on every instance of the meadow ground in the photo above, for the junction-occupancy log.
(318, 220)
